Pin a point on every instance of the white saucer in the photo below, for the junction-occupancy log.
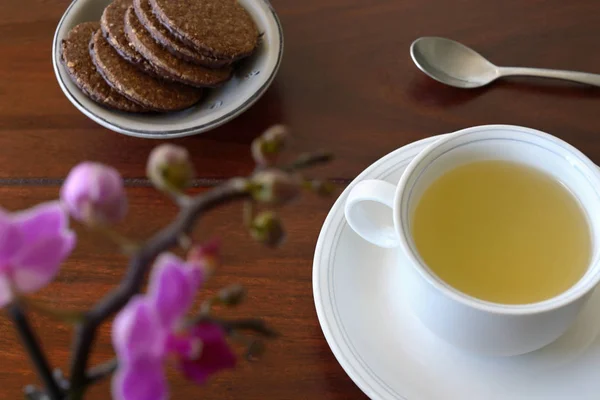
(389, 354)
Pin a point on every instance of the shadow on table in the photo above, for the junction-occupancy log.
(267, 111)
(429, 92)
(338, 385)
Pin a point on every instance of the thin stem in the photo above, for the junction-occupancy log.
(249, 324)
(248, 213)
(127, 245)
(68, 316)
(34, 350)
(245, 324)
(206, 306)
(182, 199)
(139, 264)
(255, 348)
(308, 160)
(101, 371)
(185, 242)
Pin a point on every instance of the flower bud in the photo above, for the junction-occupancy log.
(207, 256)
(268, 229)
(274, 187)
(267, 147)
(232, 295)
(93, 193)
(169, 168)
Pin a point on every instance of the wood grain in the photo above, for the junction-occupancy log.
(279, 284)
(346, 84)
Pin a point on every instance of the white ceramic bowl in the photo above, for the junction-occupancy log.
(250, 82)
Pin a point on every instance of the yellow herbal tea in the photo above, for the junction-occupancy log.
(502, 232)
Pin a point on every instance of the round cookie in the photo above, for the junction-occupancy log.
(143, 10)
(166, 63)
(153, 93)
(113, 28)
(219, 28)
(78, 63)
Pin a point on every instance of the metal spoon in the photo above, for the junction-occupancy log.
(457, 65)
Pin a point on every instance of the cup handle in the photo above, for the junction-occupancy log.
(369, 212)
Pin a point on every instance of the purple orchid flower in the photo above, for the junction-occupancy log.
(33, 244)
(150, 330)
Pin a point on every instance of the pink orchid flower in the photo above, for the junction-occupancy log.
(94, 193)
(150, 331)
(33, 245)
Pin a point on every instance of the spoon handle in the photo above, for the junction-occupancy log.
(580, 77)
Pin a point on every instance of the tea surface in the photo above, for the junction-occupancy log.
(502, 232)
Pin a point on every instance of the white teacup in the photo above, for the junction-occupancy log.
(381, 213)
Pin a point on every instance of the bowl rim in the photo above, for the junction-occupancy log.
(172, 133)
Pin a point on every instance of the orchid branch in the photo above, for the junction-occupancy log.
(141, 260)
(34, 350)
(94, 194)
(139, 264)
(308, 160)
(255, 325)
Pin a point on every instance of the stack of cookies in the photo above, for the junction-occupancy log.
(158, 55)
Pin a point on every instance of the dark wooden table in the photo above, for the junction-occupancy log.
(347, 84)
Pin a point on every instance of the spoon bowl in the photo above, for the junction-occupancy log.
(452, 63)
